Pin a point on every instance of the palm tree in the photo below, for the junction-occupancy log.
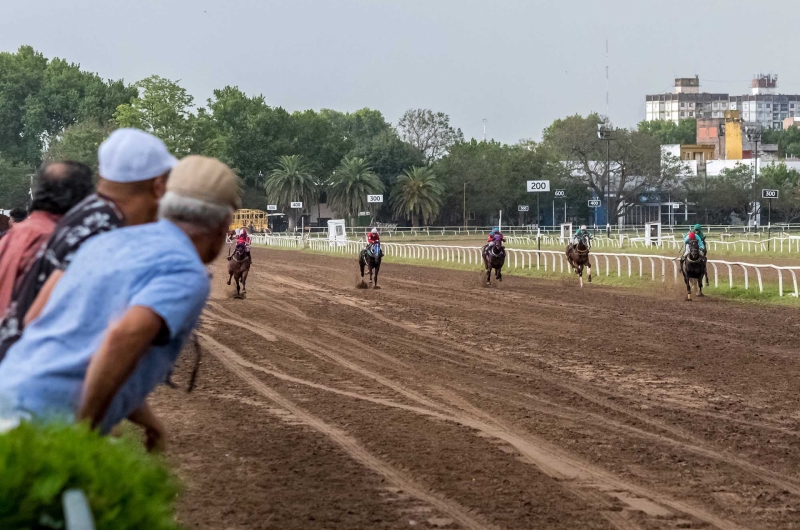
(349, 186)
(291, 182)
(418, 193)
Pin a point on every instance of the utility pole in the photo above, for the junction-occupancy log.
(604, 134)
(484, 130)
(754, 135)
(465, 206)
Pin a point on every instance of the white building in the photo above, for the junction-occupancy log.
(685, 102)
(762, 106)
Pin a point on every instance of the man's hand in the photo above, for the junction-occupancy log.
(126, 342)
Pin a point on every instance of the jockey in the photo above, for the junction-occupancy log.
(242, 238)
(581, 233)
(692, 236)
(495, 235)
(374, 238)
(698, 230)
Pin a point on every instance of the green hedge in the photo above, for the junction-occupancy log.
(126, 487)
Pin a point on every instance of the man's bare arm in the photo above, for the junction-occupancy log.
(43, 296)
(127, 341)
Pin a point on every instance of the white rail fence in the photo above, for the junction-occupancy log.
(657, 268)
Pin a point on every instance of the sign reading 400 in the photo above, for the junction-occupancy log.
(535, 186)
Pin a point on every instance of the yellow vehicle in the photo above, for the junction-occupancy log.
(254, 220)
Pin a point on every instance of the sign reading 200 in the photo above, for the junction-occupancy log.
(538, 186)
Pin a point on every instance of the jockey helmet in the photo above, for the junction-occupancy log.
(698, 227)
(692, 236)
(374, 230)
(244, 231)
(583, 227)
(495, 229)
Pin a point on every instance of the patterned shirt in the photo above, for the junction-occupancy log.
(94, 215)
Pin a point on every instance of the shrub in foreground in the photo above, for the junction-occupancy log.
(126, 487)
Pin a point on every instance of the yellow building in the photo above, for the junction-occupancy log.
(733, 135)
(699, 152)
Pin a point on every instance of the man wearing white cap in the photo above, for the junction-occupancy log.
(134, 167)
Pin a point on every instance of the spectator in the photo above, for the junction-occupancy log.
(59, 187)
(133, 170)
(114, 325)
(16, 215)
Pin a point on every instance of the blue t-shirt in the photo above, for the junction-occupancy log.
(153, 265)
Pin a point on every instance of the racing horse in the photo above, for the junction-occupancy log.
(494, 257)
(578, 258)
(238, 268)
(371, 257)
(693, 266)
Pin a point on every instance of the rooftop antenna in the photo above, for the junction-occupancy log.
(608, 112)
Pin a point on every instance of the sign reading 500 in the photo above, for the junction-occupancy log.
(535, 186)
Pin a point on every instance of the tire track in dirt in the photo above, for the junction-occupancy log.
(348, 444)
(585, 481)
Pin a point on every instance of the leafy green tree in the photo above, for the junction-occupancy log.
(163, 109)
(244, 132)
(388, 156)
(291, 181)
(317, 140)
(39, 98)
(80, 142)
(430, 132)
(788, 140)
(15, 182)
(668, 132)
(722, 198)
(418, 195)
(349, 186)
(787, 182)
(636, 163)
(358, 127)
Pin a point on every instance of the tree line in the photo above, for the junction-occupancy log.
(50, 109)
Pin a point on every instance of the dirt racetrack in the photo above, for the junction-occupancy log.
(436, 402)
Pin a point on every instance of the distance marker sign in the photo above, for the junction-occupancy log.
(560, 194)
(537, 186)
(374, 198)
(297, 205)
(523, 208)
(272, 207)
(769, 194)
(594, 203)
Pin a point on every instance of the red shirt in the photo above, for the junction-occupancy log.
(18, 250)
(373, 238)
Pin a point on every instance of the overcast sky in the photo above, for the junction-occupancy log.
(518, 63)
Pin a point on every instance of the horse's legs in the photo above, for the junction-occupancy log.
(229, 278)
(589, 266)
(377, 268)
(370, 273)
(361, 266)
(700, 286)
(579, 271)
(688, 286)
(244, 282)
(236, 277)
